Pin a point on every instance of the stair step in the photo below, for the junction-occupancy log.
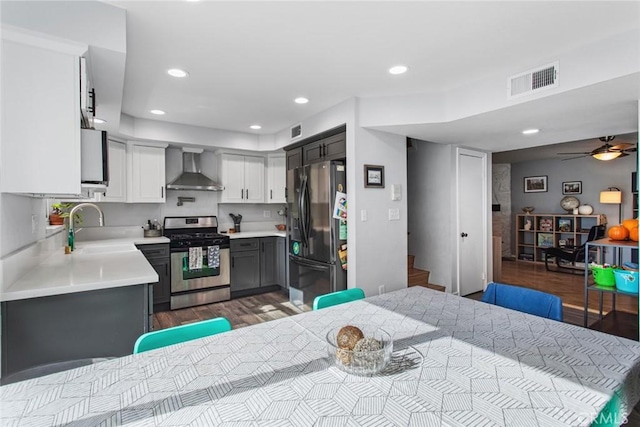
(418, 277)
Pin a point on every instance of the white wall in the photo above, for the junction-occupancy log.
(431, 219)
(379, 245)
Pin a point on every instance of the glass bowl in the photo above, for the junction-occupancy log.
(365, 362)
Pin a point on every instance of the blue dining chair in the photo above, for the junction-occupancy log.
(335, 298)
(524, 300)
(182, 333)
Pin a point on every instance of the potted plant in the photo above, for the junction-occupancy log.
(60, 211)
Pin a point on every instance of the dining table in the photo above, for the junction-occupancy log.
(455, 362)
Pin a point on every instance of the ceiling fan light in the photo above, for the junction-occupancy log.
(606, 155)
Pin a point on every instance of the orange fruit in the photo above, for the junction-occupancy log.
(633, 235)
(630, 223)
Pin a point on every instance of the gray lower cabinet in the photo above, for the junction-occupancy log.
(47, 334)
(268, 258)
(281, 261)
(257, 262)
(158, 256)
(245, 264)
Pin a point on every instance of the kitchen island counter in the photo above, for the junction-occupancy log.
(98, 264)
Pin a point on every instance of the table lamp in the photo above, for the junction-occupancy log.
(613, 196)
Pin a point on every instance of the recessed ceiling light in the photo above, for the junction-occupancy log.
(255, 127)
(398, 69)
(99, 120)
(157, 112)
(530, 131)
(301, 100)
(176, 72)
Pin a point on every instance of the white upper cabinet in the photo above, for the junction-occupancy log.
(243, 178)
(146, 174)
(117, 188)
(276, 178)
(40, 115)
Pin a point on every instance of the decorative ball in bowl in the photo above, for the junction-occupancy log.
(528, 209)
(359, 350)
(281, 227)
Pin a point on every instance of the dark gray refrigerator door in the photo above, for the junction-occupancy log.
(318, 206)
(309, 279)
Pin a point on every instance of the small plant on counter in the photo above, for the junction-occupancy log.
(60, 212)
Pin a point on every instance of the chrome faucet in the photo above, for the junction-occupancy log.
(77, 207)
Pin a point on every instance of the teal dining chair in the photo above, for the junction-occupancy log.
(179, 334)
(524, 300)
(335, 298)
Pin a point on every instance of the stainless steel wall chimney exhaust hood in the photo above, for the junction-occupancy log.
(191, 177)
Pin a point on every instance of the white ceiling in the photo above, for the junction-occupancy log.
(249, 60)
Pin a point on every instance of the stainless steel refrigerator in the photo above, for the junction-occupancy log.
(314, 235)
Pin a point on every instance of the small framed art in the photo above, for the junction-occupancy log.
(373, 176)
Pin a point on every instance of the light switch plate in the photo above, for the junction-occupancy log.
(396, 192)
(394, 214)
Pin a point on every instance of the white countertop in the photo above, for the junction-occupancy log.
(260, 233)
(97, 264)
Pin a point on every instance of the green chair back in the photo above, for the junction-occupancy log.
(335, 298)
(178, 334)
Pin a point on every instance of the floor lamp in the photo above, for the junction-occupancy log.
(613, 196)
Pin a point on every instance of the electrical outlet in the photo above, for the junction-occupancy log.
(380, 289)
(267, 214)
(363, 215)
(394, 214)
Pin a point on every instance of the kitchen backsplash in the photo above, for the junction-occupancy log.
(137, 214)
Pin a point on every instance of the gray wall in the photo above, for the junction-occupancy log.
(595, 175)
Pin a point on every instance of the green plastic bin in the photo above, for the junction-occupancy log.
(603, 276)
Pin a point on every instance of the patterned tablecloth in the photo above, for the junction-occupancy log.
(457, 362)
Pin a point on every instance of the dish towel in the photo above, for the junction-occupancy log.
(213, 256)
(195, 258)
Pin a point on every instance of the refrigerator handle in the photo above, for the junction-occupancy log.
(307, 213)
(307, 264)
(302, 222)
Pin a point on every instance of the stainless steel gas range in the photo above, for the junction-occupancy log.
(199, 261)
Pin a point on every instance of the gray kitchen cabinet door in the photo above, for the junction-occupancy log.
(245, 270)
(162, 288)
(281, 261)
(268, 261)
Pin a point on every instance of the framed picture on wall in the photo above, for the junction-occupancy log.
(572, 187)
(373, 176)
(535, 184)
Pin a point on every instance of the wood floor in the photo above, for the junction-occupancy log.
(274, 305)
(240, 312)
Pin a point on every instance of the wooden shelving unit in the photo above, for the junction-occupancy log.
(535, 232)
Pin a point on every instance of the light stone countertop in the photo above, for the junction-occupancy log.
(260, 233)
(96, 264)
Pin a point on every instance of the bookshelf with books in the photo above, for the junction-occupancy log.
(535, 232)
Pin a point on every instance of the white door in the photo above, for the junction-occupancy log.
(147, 174)
(472, 214)
(253, 179)
(277, 172)
(232, 166)
(116, 191)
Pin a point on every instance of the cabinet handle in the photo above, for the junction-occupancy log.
(242, 194)
(271, 194)
(162, 191)
(324, 150)
(247, 194)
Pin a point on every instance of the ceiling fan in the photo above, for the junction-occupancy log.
(606, 151)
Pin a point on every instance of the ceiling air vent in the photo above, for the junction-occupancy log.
(533, 81)
(296, 131)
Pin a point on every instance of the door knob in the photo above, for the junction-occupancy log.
(463, 234)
